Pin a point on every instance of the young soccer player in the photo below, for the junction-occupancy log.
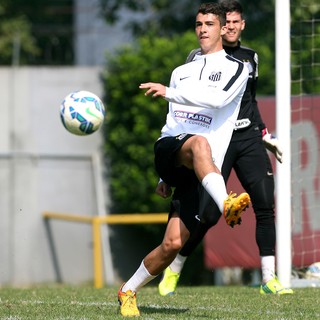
(204, 99)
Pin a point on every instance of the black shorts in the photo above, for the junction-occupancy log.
(185, 199)
(186, 202)
(164, 159)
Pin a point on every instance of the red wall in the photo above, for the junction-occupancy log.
(225, 246)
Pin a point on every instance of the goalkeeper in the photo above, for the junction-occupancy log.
(247, 155)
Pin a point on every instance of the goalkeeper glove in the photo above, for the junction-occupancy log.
(272, 144)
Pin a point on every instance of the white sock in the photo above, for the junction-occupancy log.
(216, 187)
(140, 278)
(267, 268)
(177, 263)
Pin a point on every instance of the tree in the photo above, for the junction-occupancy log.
(160, 17)
(36, 32)
(16, 41)
(305, 47)
(166, 17)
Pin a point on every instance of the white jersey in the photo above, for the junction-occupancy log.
(204, 99)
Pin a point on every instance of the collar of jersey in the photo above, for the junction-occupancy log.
(210, 56)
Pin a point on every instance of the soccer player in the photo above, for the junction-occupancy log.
(247, 155)
(204, 99)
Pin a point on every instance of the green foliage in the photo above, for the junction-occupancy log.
(15, 32)
(305, 47)
(260, 21)
(36, 32)
(160, 17)
(134, 121)
(166, 18)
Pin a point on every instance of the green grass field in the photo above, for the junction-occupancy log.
(65, 302)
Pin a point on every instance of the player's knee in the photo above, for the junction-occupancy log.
(171, 246)
(195, 147)
(200, 145)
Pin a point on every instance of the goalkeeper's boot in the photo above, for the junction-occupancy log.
(128, 303)
(274, 286)
(168, 283)
(234, 206)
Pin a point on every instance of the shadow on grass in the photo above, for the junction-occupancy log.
(164, 310)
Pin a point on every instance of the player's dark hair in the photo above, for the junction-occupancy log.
(232, 6)
(214, 8)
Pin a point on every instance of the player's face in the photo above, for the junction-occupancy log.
(209, 31)
(235, 24)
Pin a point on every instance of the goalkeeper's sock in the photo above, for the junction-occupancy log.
(267, 268)
(140, 278)
(216, 187)
(178, 263)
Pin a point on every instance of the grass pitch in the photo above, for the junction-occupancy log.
(234, 302)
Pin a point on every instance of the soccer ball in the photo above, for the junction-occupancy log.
(82, 112)
(313, 271)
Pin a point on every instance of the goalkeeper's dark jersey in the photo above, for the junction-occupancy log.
(249, 108)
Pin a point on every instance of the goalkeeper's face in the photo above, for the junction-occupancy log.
(235, 24)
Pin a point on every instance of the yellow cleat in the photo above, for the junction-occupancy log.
(168, 283)
(128, 303)
(274, 287)
(234, 206)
